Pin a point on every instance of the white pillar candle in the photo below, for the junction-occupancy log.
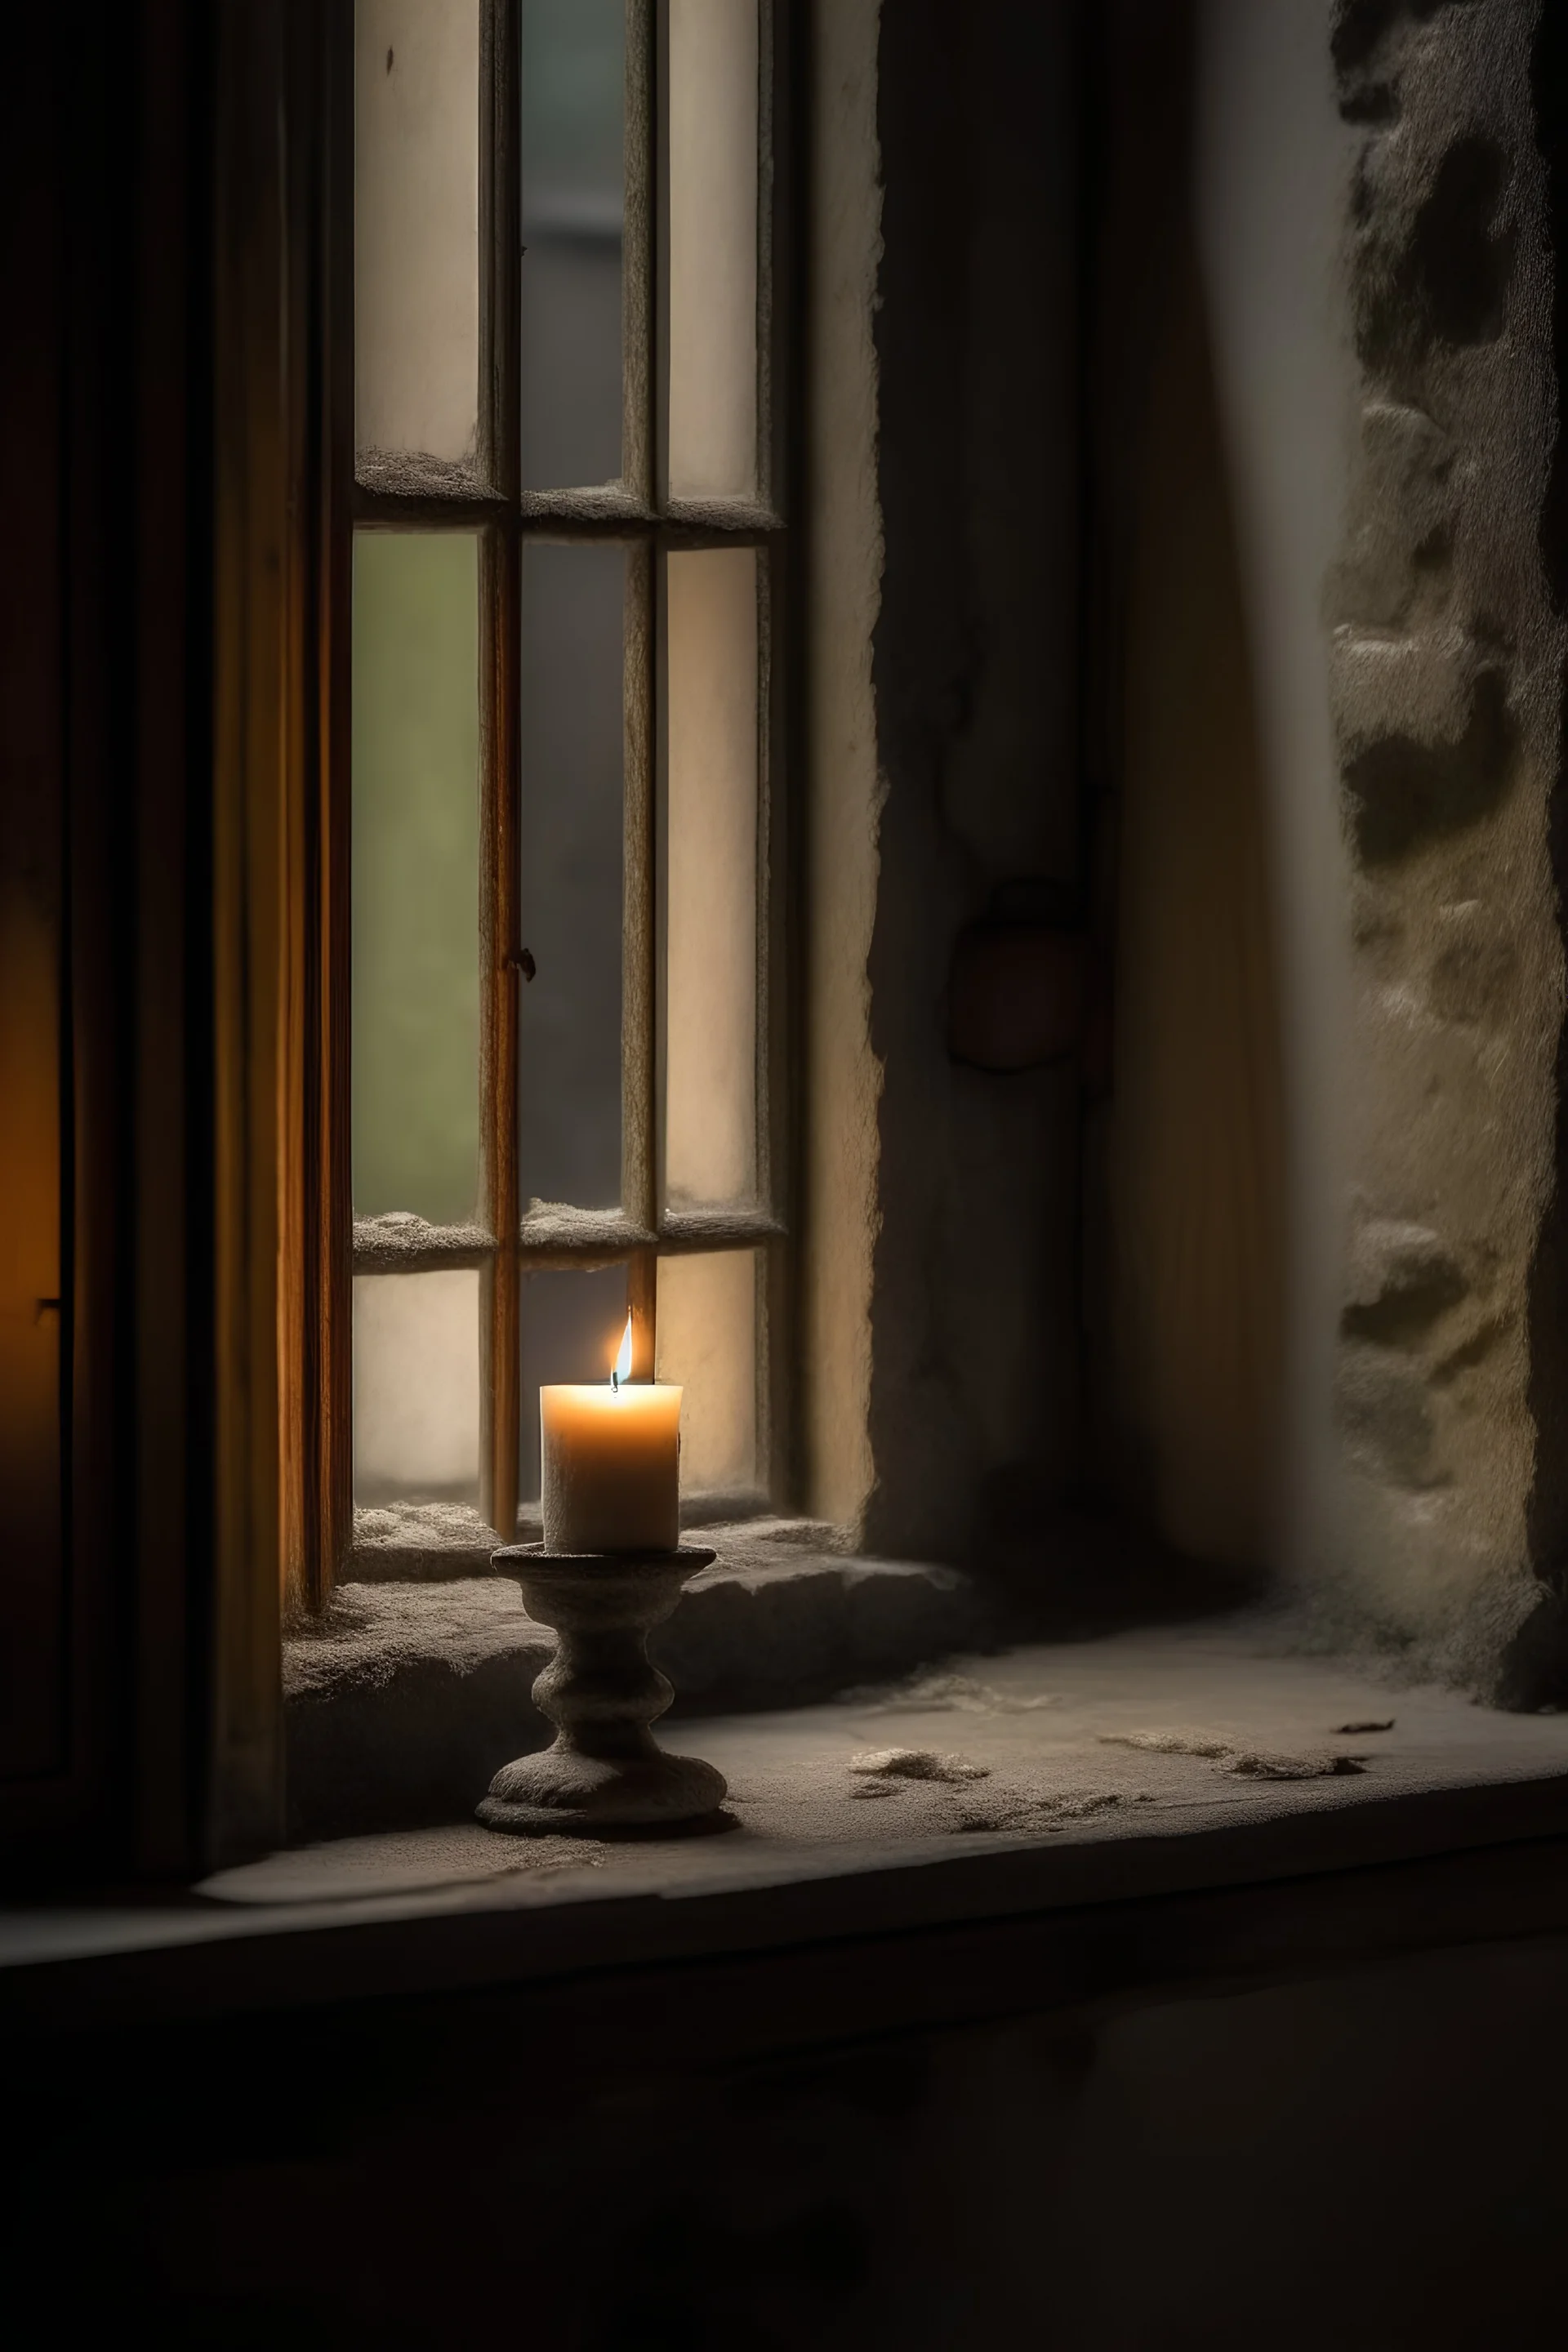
(610, 1463)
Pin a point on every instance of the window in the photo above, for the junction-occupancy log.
(567, 831)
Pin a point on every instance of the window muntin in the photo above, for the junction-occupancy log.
(627, 828)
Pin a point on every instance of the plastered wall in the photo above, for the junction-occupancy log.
(975, 1373)
(940, 1201)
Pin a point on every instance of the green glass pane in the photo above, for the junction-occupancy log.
(415, 874)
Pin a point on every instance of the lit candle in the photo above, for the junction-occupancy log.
(610, 1463)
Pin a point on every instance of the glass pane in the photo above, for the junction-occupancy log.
(574, 756)
(710, 973)
(571, 1328)
(417, 214)
(416, 1387)
(574, 207)
(713, 248)
(415, 874)
(707, 1340)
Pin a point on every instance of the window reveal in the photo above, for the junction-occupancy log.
(565, 797)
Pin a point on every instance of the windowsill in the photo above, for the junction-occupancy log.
(432, 1543)
(1064, 1817)
(410, 1693)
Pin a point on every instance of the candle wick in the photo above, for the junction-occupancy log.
(615, 1382)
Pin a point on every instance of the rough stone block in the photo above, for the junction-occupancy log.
(1402, 1280)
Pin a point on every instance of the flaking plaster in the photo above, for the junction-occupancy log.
(973, 1390)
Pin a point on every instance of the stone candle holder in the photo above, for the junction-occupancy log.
(606, 1771)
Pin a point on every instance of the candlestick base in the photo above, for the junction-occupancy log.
(606, 1771)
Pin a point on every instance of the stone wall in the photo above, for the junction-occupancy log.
(1376, 194)
(1355, 1389)
(1446, 660)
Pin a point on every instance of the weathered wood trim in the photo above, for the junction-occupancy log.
(168, 1282)
(640, 948)
(314, 1271)
(637, 262)
(253, 483)
(333, 1222)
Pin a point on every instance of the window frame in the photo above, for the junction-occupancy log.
(391, 492)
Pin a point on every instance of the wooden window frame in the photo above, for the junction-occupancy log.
(400, 492)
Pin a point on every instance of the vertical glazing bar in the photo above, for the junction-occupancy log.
(777, 867)
(498, 1040)
(647, 224)
(768, 31)
(642, 1296)
(659, 836)
(659, 116)
(767, 1072)
(638, 993)
(638, 252)
(644, 1273)
(499, 944)
(775, 1085)
(771, 1065)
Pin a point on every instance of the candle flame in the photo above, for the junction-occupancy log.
(621, 1368)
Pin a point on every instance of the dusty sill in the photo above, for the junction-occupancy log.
(1073, 1798)
(435, 1543)
(409, 1693)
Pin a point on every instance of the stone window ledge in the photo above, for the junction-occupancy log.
(1125, 1771)
(404, 1697)
(437, 1543)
